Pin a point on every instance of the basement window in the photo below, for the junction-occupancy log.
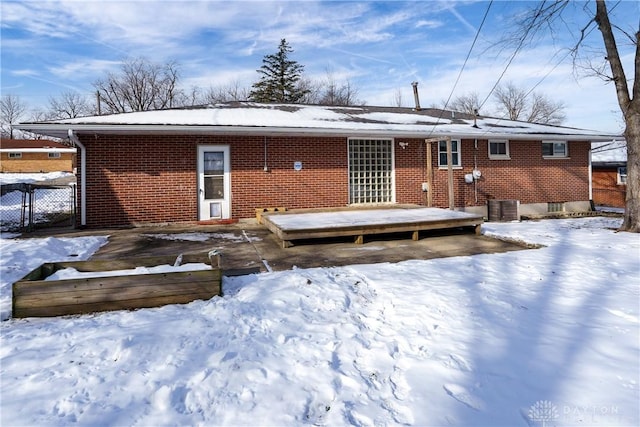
(54, 155)
(554, 149)
(555, 207)
(15, 155)
(622, 175)
(499, 150)
(455, 154)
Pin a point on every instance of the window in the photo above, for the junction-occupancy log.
(554, 149)
(622, 175)
(455, 153)
(499, 149)
(54, 155)
(555, 207)
(370, 171)
(15, 155)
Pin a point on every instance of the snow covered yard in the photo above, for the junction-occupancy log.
(54, 201)
(548, 336)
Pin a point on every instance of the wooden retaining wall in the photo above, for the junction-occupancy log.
(35, 297)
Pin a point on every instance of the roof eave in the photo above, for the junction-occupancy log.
(60, 130)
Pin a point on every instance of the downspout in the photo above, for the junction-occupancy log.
(591, 177)
(475, 168)
(266, 164)
(83, 177)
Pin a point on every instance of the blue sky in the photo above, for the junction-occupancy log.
(379, 47)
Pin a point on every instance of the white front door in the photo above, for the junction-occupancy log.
(214, 182)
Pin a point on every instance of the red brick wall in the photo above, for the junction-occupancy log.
(322, 182)
(527, 177)
(153, 178)
(135, 179)
(606, 190)
(410, 171)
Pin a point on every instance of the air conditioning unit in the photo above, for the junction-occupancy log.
(503, 210)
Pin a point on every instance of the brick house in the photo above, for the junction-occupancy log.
(39, 155)
(225, 161)
(609, 173)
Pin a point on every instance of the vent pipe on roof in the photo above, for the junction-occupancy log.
(415, 95)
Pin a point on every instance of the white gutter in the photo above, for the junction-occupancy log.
(56, 129)
(83, 177)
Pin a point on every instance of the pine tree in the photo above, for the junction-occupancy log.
(280, 77)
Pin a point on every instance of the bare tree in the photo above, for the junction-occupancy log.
(233, 91)
(548, 15)
(335, 93)
(511, 101)
(312, 90)
(544, 110)
(397, 98)
(140, 86)
(469, 103)
(518, 104)
(68, 106)
(11, 109)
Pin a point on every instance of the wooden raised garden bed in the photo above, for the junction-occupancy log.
(33, 296)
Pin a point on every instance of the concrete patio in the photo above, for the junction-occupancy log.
(248, 247)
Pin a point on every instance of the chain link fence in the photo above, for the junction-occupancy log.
(26, 207)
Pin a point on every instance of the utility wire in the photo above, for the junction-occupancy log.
(548, 72)
(515, 52)
(475, 39)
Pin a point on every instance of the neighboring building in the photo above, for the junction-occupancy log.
(226, 161)
(35, 155)
(609, 173)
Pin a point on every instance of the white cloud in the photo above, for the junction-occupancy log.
(84, 67)
(244, 77)
(25, 72)
(424, 23)
(380, 47)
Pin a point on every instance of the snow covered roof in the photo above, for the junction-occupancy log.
(296, 119)
(609, 152)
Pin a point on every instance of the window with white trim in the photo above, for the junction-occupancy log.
(15, 155)
(622, 175)
(455, 154)
(498, 149)
(370, 171)
(555, 149)
(54, 155)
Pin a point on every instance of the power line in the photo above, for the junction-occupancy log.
(515, 52)
(475, 39)
(468, 55)
(551, 70)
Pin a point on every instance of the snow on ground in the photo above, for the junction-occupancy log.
(346, 218)
(46, 201)
(21, 256)
(545, 336)
(28, 178)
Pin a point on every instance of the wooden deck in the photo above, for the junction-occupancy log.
(315, 224)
